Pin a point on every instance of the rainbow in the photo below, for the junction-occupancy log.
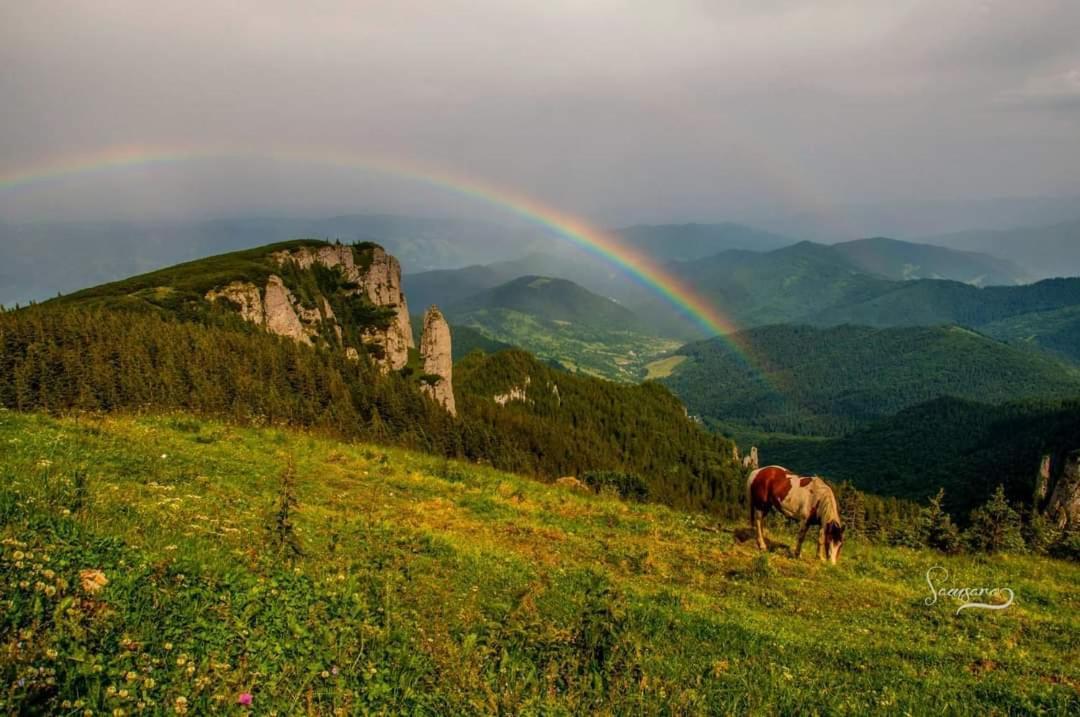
(600, 243)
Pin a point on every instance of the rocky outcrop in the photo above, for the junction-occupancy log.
(435, 352)
(274, 307)
(280, 307)
(515, 393)
(750, 460)
(1063, 509)
(244, 296)
(378, 277)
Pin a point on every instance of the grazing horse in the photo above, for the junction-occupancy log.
(808, 500)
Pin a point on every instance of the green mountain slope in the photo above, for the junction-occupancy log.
(1057, 331)
(901, 260)
(561, 321)
(968, 448)
(922, 303)
(815, 381)
(1046, 251)
(444, 287)
(552, 300)
(397, 583)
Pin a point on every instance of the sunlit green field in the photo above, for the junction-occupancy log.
(400, 583)
(611, 354)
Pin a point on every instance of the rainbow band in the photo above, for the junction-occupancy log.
(600, 243)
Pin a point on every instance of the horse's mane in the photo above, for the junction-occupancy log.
(828, 511)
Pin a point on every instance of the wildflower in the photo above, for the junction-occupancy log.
(18, 555)
(334, 671)
(180, 705)
(93, 580)
(50, 590)
(180, 661)
(51, 654)
(131, 676)
(149, 683)
(244, 699)
(122, 694)
(167, 646)
(325, 674)
(110, 690)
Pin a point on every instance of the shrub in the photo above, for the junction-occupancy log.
(629, 486)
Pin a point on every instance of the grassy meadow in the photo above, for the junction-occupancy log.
(169, 564)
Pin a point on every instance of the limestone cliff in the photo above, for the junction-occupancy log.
(377, 275)
(367, 270)
(1064, 506)
(437, 361)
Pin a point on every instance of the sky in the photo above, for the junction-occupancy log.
(616, 111)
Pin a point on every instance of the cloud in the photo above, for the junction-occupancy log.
(620, 110)
(1060, 91)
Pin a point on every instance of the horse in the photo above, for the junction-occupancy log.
(808, 500)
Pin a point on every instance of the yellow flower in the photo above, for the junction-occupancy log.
(18, 555)
(167, 646)
(132, 676)
(181, 660)
(325, 674)
(122, 694)
(149, 683)
(110, 690)
(51, 654)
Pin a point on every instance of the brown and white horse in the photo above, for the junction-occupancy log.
(808, 500)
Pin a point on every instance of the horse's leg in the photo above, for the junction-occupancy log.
(759, 528)
(821, 542)
(802, 536)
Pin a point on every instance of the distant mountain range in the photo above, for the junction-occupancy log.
(828, 381)
(1046, 251)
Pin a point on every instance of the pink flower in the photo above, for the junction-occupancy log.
(244, 699)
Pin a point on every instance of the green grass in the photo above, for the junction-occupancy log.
(433, 587)
(617, 355)
(662, 368)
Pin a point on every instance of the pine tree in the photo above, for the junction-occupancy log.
(995, 527)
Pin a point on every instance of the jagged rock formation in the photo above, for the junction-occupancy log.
(245, 296)
(437, 361)
(515, 393)
(1063, 508)
(275, 307)
(378, 277)
(750, 460)
(372, 273)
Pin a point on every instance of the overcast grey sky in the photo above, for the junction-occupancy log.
(621, 111)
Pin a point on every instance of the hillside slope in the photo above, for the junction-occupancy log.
(808, 380)
(561, 321)
(397, 583)
(902, 261)
(966, 447)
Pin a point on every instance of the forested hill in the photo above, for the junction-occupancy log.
(814, 381)
(551, 299)
(561, 418)
(966, 447)
(154, 343)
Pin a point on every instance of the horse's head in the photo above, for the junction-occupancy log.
(834, 540)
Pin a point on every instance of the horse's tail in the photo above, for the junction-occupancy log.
(750, 494)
